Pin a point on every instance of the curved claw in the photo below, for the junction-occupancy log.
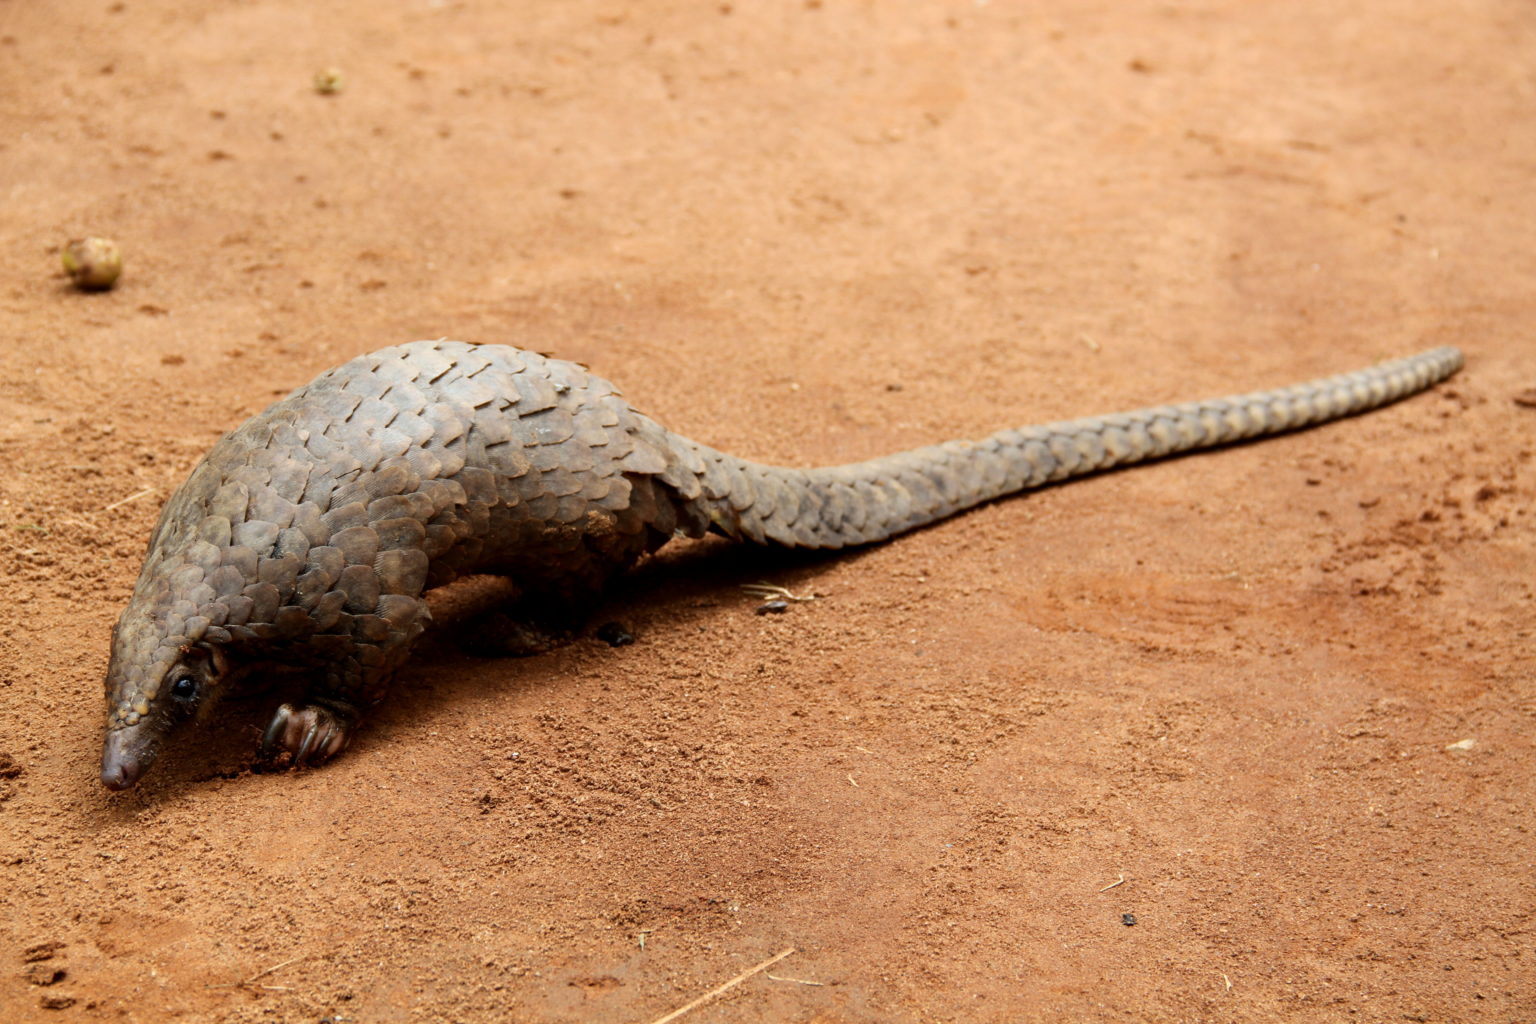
(275, 729)
(311, 734)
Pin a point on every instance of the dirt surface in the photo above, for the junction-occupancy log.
(1277, 702)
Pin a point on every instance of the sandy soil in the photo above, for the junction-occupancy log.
(1219, 694)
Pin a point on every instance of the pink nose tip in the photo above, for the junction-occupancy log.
(120, 769)
(119, 775)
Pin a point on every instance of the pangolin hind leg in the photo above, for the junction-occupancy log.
(524, 628)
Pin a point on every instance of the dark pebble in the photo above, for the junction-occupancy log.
(43, 974)
(773, 608)
(41, 951)
(1128, 919)
(614, 634)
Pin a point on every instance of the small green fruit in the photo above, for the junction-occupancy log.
(329, 81)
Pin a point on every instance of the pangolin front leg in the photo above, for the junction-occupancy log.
(310, 733)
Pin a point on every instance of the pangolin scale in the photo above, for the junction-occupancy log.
(306, 537)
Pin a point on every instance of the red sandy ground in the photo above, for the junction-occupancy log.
(808, 233)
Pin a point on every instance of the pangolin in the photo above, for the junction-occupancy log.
(304, 540)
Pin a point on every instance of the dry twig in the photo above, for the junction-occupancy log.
(262, 974)
(132, 497)
(766, 589)
(719, 989)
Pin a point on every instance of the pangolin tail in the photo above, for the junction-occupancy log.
(863, 502)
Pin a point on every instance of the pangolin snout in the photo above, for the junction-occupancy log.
(121, 762)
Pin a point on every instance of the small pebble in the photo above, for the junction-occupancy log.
(1128, 919)
(93, 264)
(773, 608)
(614, 634)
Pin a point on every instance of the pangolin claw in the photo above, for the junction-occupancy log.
(310, 735)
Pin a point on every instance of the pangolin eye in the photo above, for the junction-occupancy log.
(184, 688)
